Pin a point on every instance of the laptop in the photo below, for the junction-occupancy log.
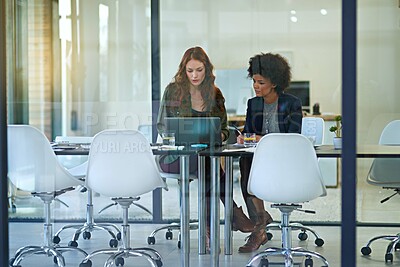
(195, 130)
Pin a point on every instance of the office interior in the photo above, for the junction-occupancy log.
(75, 68)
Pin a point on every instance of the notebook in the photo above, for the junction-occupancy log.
(195, 130)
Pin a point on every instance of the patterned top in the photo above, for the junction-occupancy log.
(171, 108)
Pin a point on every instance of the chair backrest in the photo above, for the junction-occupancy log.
(147, 131)
(285, 169)
(385, 171)
(121, 164)
(32, 163)
(313, 126)
(391, 134)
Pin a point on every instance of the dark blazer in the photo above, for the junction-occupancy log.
(289, 114)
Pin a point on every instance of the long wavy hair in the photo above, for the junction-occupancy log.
(207, 87)
(273, 67)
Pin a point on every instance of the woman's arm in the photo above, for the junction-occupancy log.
(221, 112)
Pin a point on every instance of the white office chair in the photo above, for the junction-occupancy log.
(89, 226)
(285, 172)
(311, 127)
(121, 165)
(33, 167)
(385, 172)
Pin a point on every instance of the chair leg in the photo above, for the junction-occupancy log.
(391, 248)
(117, 256)
(49, 248)
(89, 226)
(151, 239)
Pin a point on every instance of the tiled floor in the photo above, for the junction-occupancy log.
(328, 209)
(30, 233)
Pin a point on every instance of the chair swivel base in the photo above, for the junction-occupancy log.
(151, 240)
(288, 255)
(55, 251)
(391, 248)
(49, 248)
(86, 230)
(89, 226)
(302, 236)
(117, 256)
(286, 251)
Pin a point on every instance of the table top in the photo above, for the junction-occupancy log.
(83, 150)
(324, 151)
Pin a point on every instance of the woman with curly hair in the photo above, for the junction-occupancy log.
(193, 93)
(270, 111)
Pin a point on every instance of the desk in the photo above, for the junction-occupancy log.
(229, 151)
(184, 172)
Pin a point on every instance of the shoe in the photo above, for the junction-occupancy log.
(268, 219)
(254, 241)
(241, 222)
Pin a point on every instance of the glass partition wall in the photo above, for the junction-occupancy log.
(307, 33)
(78, 67)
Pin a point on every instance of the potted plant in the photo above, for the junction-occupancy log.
(337, 129)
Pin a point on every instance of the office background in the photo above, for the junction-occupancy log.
(77, 67)
(86, 65)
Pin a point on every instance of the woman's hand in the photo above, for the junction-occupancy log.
(239, 139)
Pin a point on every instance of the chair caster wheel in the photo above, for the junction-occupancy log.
(113, 243)
(119, 261)
(86, 264)
(86, 235)
(169, 235)
(73, 243)
(264, 262)
(119, 236)
(397, 247)
(269, 236)
(151, 240)
(366, 251)
(56, 239)
(389, 257)
(302, 236)
(179, 244)
(308, 262)
(159, 263)
(319, 242)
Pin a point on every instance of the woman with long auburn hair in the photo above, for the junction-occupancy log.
(193, 93)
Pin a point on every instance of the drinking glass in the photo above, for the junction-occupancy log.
(249, 139)
(168, 138)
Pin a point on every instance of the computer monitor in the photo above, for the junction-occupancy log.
(301, 89)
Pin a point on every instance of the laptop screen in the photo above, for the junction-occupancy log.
(195, 130)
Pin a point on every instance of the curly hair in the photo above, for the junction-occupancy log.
(273, 67)
(207, 87)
